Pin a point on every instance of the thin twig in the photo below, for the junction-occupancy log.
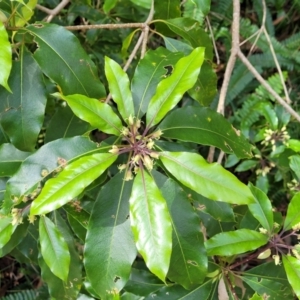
(266, 85)
(105, 26)
(53, 12)
(213, 40)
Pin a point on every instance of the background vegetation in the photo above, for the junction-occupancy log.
(109, 112)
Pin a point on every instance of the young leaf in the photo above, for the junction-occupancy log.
(293, 213)
(262, 209)
(23, 110)
(6, 230)
(196, 9)
(99, 115)
(148, 74)
(118, 83)
(5, 57)
(235, 242)
(210, 180)
(10, 159)
(54, 249)
(71, 182)
(292, 269)
(110, 249)
(204, 126)
(188, 264)
(77, 72)
(151, 224)
(170, 90)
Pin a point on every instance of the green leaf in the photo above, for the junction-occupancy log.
(110, 249)
(23, 110)
(235, 242)
(256, 297)
(6, 230)
(188, 264)
(24, 12)
(65, 124)
(58, 288)
(293, 213)
(151, 224)
(292, 269)
(210, 180)
(118, 83)
(204, 126)
(148, 74)
(54, 249)
(5, 57)
(262, 209)
(99, 115)
(205, 88)
(109, 5)
(177, 46)
(30, 174)
(191, 32)
(196, 9)
(72, 180)
(295, 164)
(170, 90)
(77, 72)
(10, 159)
(142, 282)
(246, 165)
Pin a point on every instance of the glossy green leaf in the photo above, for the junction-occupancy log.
(256, 297)
(65, 124)
(110, 249)
(6, 230)
(58, 288)
(177, 292)
(24, 12)
(155, 65)
(54, 249)
(175, 45)
(170, 90)
(292, 269)
(295, 164)
(246, 165)
(210, 180)
(5, 57)
(191, 32)
(205, 88)
(109, 5)
(151, 224)
(23, 110)
(235, 242)
(293, 213)
(196, 9)
(45, 159)
(99, 115)
(188, 265)
(19, 232)
(70, 182)
(143, 3)
(167, 9)
(294, 145)
(262, 209)
(204, 126)
(10, 159)
(142, 282)
(77, 72)
(118, 83)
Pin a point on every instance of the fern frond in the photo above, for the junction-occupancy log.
(292, 42)
(23, 295)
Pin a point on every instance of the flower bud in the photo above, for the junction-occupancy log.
(128, 176)
(148, 162)
(114, 150)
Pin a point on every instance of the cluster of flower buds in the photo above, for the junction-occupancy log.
(294, 185)
(140, 146)
(272, 137)
(17, 216)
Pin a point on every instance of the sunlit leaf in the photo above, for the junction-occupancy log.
(262, 209)
(292, 269)
(54, 249)
(170, 90)
(99, 115)
(118, 83)
(5, 57)
(235, 242)
(293, 213)
(151, 224)
(196, 9)
(209, 180)
(6, 230)
(72, 180)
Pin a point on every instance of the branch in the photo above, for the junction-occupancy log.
(53, 12)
